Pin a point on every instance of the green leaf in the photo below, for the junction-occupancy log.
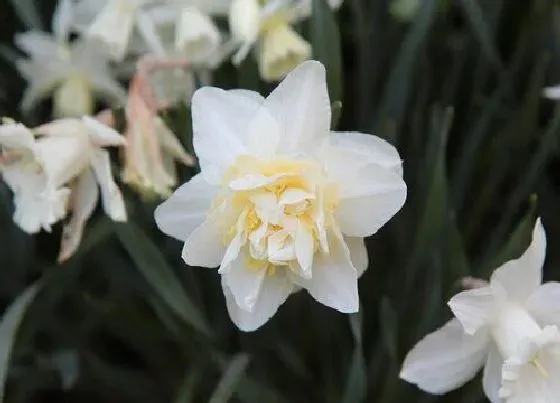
(233, 374)
(482, 31)
(356, 380)
(159, 275)
(9, 326)
(28, 12)
(325, 38)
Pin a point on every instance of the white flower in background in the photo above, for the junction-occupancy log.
(152, 148)
(508, 326)
(552, 92)
(115, 23)
(268, 26)
(60, 170)
(74, 73)
(281, 202)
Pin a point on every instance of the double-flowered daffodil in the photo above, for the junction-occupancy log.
(508, 326)
(281, 203)
(60, 167)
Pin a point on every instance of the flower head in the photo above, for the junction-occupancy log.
(152, 146)
(60, 170)
(268, 26)
(73, 73)
(281, 203)
(508, 326)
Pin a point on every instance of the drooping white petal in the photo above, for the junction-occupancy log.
(445, 359)
(301, 105)
(244, 282)
(111, 197)
(204, 246)
(334, 280)
(196, 36)
(113, 27)
(244, 24)
(39, 209)
(521, 277)
(273, 292)
(83, 200)
(102, 135)
(544, 304)
(358, 253)
(369, 198)
(186, 208)
(492, 378)
(220, 126)
(475, 308)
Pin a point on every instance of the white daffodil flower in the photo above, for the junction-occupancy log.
(268, 26)
(73, 72)
(508, 326)
(60, 170)
(281, 203)
(152, 148)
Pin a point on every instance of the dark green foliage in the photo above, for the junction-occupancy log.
(457, 90)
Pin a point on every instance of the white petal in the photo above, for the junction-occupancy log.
(83, 200)
(244, 282)
(111, 197)
(304, 249)
(264, 133)
(474, 308)
(301, 105)
(358, 253)
(369, 198)
(171, 145)
(367, 148)
(520, 277)
(102, 135)
(544, 304)
(37, 44)
(62, 19)
(334, 280)
(186, 208)
(204, 246)
(221, 122)
(552, 92)
(273, 292)
(492, 378)
(445, 359)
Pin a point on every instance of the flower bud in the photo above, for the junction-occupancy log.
(244, 23)
(197, 38)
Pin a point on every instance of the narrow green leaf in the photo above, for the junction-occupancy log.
(232, 375)
(356, 381)
(325, 38)
(482, 31)
(388, 325)
(28, 12)
(9, 326)
(159, 275)
(397, 91)
(336, 108)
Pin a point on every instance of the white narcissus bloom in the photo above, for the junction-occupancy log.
(508, 326)
(60, 170)
(268, 26)
(281, 203)
(75, 73)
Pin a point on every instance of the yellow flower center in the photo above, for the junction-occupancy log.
(277, 209)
